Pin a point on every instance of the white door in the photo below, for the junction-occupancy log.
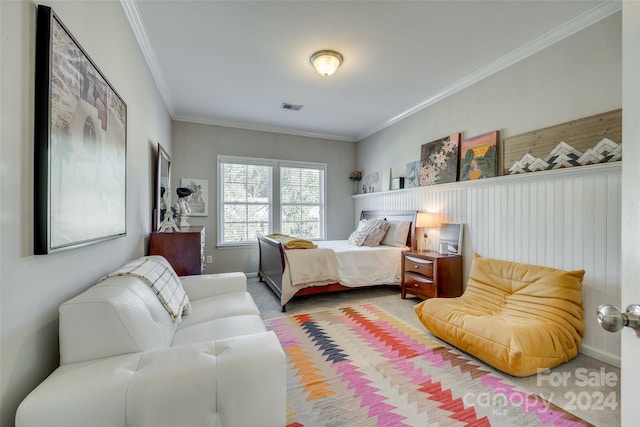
(630, 368)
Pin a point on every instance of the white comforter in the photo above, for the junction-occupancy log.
(335, 261)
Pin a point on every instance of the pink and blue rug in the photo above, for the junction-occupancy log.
(362, 366)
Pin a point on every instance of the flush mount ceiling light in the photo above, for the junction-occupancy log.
(326, 62)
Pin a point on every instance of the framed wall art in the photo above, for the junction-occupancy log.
(479, 157)
(80, 144)
(439, 161)
(412, 174)
(199, 199)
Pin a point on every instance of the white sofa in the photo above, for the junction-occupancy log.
(125, 362)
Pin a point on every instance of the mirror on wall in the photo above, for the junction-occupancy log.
(163, 187)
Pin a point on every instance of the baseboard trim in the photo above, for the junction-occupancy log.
(603, 356)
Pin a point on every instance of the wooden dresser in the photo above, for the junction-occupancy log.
(183, 249)
(430, 274)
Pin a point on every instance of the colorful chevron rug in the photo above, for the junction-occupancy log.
(362, 366)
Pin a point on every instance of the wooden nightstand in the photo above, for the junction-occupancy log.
(430, 275)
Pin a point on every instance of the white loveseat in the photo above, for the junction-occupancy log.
(125, 362)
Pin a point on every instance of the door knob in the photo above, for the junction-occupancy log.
(611, 319)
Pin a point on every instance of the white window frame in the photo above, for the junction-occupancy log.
(274, 203)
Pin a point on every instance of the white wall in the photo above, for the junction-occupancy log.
(32, 287)
(567, 220)
(577, 77)
(195, 155)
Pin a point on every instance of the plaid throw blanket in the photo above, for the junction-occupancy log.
(162, 279)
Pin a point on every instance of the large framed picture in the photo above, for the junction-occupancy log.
(80, 145)
(199, 199)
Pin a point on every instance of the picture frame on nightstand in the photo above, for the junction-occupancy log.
(452, 235)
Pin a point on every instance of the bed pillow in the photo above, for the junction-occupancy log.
(396, 234)
(375, 229)
(357, 238)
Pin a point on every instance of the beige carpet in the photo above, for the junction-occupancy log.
(576, 386)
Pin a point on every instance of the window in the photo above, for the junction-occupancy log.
(269, 196)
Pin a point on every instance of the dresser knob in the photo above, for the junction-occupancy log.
(416, 266)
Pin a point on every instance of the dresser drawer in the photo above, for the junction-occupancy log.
(420, 266)
(419, 285)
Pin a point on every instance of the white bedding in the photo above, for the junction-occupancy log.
(335, 261)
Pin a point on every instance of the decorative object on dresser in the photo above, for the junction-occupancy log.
(80, 145)
(590, 140)
(439, 160)
(182, 206)
(431, 275)
(294, 272)
(184, 249)
(199, 199)
(479, 157)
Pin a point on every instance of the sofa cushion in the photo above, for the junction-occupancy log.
(225, 305)
(517, 317)
(225, 327)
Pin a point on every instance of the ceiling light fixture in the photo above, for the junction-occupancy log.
(326, 62)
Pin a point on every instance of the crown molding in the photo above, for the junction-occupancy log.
(131, 11)
(590, 17)
(263, 128)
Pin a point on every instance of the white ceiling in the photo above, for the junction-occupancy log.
(233, 63)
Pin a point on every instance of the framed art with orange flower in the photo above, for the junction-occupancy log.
(439, 161)
(479, 157)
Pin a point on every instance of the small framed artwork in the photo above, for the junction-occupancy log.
(451, 234)
(479, 157)
(80, 145)
(439, 161)
(412, 175)
(385, 184)
(199, 199)
(397, 183)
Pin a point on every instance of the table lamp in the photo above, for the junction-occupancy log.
(424, 221)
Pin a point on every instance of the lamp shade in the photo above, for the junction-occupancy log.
(326, 62)
(426, 220)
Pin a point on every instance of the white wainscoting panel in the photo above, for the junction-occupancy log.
(568, 219)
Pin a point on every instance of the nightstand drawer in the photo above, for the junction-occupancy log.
(420, 266)
(419, 285)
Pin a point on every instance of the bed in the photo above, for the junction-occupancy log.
(334, 265)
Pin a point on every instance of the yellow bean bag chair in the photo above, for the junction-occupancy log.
(518, 318)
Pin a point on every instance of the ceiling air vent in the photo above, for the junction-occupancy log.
(292, 107)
